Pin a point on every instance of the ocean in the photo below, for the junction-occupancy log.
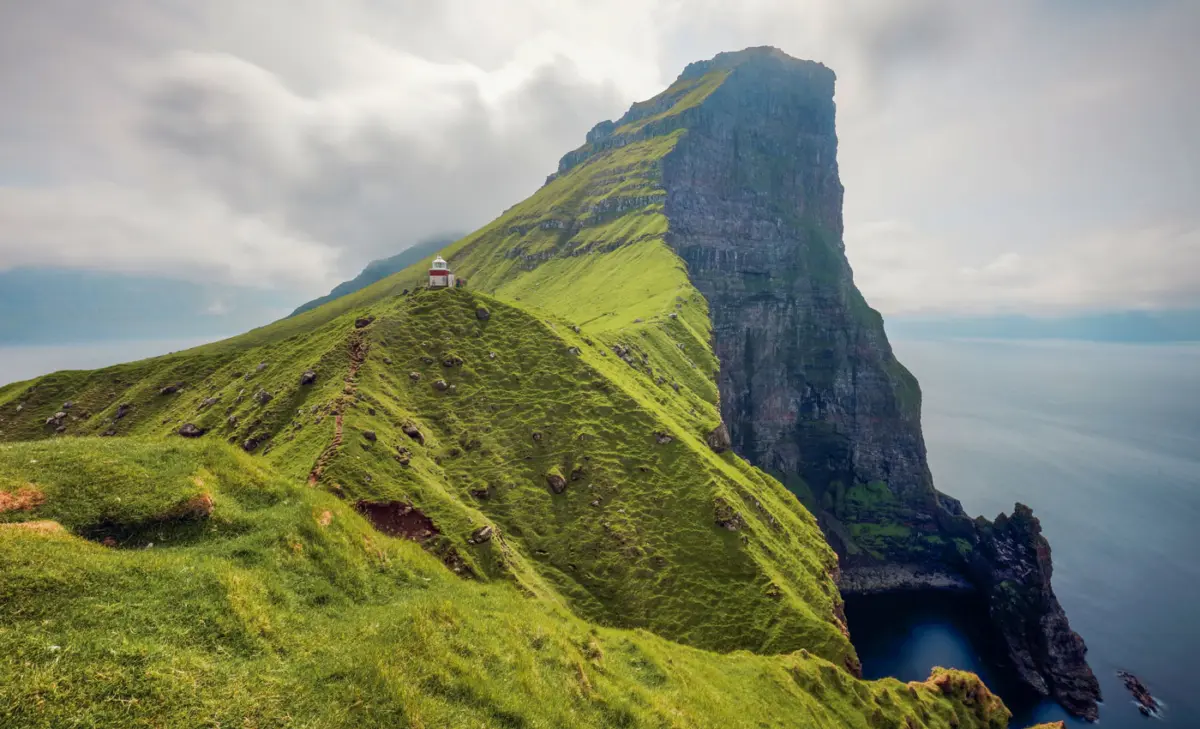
(1103, 441)
(26, 361)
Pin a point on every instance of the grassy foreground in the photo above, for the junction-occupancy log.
(239, 598)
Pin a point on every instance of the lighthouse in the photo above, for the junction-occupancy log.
(440, 276)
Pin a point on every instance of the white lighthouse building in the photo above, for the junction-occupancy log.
(440, 276)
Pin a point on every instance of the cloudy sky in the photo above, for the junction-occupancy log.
(1038, 157)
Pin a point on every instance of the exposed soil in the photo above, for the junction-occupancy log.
(357, 347)
(398, 519)
(25, 498)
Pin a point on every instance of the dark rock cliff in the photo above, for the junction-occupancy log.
(810, 389)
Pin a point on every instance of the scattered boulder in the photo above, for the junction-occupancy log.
(308, 378)
(68, 405)
(209, 402)
(440, 385)
(637, 320)
(262, 397)
(231, 421)
(663, 438)
(556, 481)
(452, 360)
(481, 535)
(189, 430)
(387, 360)
(481, 494)
(414, 376)
(427, 359)
(363, 321)
(575, 328)
(672, 315)
(537, 436)
(403, 455)
(726, 516)
(20, 406)
(574, 350)
(261, 366)
(412, 431)
(170, 389)
(491, 355)
(482, 314)
(369, 435)
(250, 444)
(718, 440)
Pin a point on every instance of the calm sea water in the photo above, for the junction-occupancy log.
(1103, 441)
(24, 362)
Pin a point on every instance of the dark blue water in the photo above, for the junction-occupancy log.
(1103, 441)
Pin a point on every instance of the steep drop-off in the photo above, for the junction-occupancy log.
(809, 386)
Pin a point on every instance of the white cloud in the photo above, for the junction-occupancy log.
(1129, 269)
(1030, 155)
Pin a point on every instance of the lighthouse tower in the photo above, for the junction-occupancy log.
(440, 276)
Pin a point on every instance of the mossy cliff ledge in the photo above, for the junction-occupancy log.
(809, 387)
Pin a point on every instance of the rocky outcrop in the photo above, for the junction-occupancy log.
(809, 387)
(1011, 565)
(1145, 701)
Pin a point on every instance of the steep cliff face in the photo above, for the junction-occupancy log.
(755, 209)
(809, 386)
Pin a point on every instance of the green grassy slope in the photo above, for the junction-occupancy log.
(632, 541)
(275, 604)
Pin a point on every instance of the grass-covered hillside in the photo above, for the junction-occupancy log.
(507, 505)
(537, 543)
(233, 596)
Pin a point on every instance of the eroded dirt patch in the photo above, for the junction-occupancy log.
(357, 348)
(398, 519)
(26, 498)
(198, 507)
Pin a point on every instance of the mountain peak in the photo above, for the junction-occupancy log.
(759, 56)
(752, 80)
